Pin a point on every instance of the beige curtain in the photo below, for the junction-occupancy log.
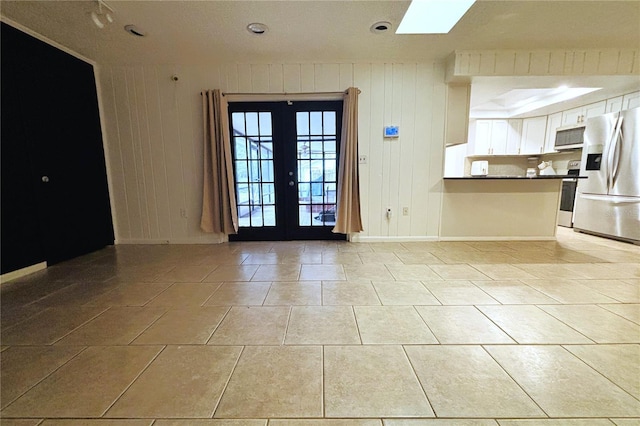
(219, 212)
(348, 204)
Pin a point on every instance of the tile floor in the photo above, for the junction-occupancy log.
(328, 333)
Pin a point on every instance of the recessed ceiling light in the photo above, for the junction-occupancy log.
(433, 16)
(257, 28)
(133, 30)
(380, 27)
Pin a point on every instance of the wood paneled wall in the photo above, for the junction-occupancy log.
(153, 133)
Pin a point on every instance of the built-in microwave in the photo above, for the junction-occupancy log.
(569, 137)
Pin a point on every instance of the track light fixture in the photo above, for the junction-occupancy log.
(103, 15)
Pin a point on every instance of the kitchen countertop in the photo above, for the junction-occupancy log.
(516, 177)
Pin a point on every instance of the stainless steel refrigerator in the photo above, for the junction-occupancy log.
(608, 202)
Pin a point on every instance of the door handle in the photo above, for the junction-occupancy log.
(45, 179)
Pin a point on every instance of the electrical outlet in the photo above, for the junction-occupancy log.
(362, 159)
(405, 211)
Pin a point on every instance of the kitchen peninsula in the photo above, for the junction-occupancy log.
(500, 207)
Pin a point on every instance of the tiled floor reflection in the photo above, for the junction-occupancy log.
(324, 333)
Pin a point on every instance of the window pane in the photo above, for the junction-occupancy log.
(303, 149)
(240, 148)
(266, 150)
(316, 123)
(269, 213)
(242, 193)
(265, 123)
(316, 150)
(302, 121)
(304, 216)
(329, 122)
(237, 119)
(330, 148)
(267, 170)
(254, 196)
(304, 193)
(304, 171)
(268, 193)
(252, 123)
(242, 174)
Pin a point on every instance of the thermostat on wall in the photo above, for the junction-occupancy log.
(391, 131)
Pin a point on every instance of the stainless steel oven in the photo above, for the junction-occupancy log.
(568, 195)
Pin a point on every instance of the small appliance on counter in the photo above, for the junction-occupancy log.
(479, 168)
(568, 195)
(546, 169)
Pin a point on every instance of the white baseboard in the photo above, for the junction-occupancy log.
(386, 239)
(528, 238)
(213, 240)
(10, 276)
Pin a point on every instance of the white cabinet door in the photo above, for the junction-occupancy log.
(632, 100)
(533, 135)
(482, 144)
(553, 122)
(571, 116)
(499, 130)
(614, 104)
(514, 136)
(593, 110)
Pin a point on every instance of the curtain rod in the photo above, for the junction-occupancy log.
(285, 93)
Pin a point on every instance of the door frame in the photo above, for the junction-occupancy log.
(285, 159)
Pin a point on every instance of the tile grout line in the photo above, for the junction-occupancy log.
(226, 385)
(514, 380)
(166, 310)
(146, 367)
(563, 322)
(597, 371)
(496, 324)
(415, 374)
(218, 325)
(44, 378)
(425, 323)
(355, 317)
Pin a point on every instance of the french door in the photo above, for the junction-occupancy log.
(286, 158)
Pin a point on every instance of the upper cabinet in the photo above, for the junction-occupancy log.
(457, 125)
(632, 100)
(581, 114)
(533, 135)
(497, 137)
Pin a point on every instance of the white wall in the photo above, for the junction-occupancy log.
(153, 134)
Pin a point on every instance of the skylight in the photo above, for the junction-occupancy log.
(433, 16)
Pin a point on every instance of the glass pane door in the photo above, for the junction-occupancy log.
(285, 168)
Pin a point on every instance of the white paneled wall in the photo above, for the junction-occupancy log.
(153, 134)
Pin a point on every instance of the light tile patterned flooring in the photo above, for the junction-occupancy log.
(328, 333)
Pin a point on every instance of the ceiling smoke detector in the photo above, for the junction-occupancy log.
(133, 30)
(257, 28)
(380, 27)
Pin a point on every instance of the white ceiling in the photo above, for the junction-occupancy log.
(214, 31)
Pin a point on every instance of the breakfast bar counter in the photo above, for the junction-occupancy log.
(501, 207)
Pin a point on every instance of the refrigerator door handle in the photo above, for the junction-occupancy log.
(608, 156)
(615, 153)
(615, 199)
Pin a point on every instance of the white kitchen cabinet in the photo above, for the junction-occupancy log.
(631, 100)
(533, 135)
(514, 136)
(553, 122)
(492, 137)
(614, 104)
(457, 124)
(581, 114)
